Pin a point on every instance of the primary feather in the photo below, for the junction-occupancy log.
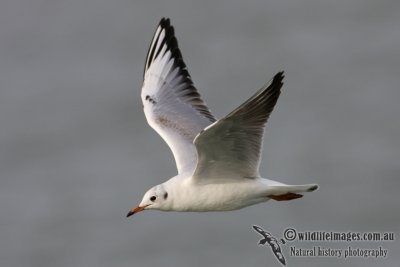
(172, 105)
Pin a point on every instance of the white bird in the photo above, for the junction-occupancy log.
(217, 160)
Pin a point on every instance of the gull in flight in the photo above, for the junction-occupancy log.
(217, 160)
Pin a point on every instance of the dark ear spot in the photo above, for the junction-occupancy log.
(165, 195)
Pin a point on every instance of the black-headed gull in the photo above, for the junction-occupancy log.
(217, 160)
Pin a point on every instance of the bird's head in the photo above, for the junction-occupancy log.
(155, 198)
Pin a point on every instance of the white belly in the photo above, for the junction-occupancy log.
(219, 197)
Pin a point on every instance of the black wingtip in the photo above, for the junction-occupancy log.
(313, 188)
(168, 42)
(172, 45)
(164, 22)
(279, 77)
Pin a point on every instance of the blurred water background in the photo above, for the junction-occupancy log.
(76, 152)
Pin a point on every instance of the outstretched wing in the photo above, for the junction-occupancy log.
(172, 105)
(230, 147)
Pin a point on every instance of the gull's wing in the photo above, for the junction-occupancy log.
(230, 147)
(172, 105)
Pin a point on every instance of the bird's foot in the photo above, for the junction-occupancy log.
(285, 197)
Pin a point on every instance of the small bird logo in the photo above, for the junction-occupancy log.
(272, 242)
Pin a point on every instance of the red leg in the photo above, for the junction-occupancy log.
(285, 197)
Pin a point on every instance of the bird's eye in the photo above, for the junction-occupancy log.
(153, 198)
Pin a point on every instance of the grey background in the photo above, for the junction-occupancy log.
(76, 152)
